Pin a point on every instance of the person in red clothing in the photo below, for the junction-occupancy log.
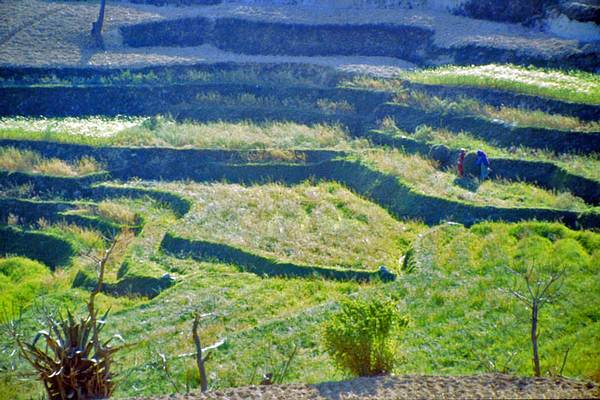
(461, 160)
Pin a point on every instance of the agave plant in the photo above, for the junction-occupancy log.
(68, 362)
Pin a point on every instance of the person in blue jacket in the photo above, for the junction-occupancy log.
(484, 164)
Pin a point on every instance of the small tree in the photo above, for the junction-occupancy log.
(536, 286)
(359, 337)
(200, 359)
(97, 26)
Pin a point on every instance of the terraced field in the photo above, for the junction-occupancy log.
(265, 193)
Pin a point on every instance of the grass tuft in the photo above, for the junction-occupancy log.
(13, 159)
(116, 212)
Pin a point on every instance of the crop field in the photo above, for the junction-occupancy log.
(267, 195)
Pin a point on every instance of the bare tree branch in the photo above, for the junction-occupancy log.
(199, 360)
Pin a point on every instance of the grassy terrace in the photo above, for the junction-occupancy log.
(420, 173)
(464, 320)
(162, 131)
(247, 305)
(315, 225)
(261, 319)
(424, 176)
(472, 107)
(584, 165)
(571, 86)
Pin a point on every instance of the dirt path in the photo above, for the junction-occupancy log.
(486, 386)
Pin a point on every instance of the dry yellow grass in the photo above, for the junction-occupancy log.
(322, 224)
(13, 159)
(243, 135)
(116, 212)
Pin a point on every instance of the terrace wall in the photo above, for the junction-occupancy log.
(256, 37)
(47, 248)
(133, 286)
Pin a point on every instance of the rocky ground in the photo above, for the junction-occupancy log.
(412, 387)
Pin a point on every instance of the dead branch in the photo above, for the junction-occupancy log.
(167, 371)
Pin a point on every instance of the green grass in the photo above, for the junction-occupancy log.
(587, 165)
(463, 319)
(322, 224)
(17, 160)
(256, 316)
(164, 132)
(28, 289)
(279, 75)
(570, 86)
(424, 176)
(460, 322)
(247, 306)
(21, 281)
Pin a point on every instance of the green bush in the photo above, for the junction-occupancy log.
(360, 336)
